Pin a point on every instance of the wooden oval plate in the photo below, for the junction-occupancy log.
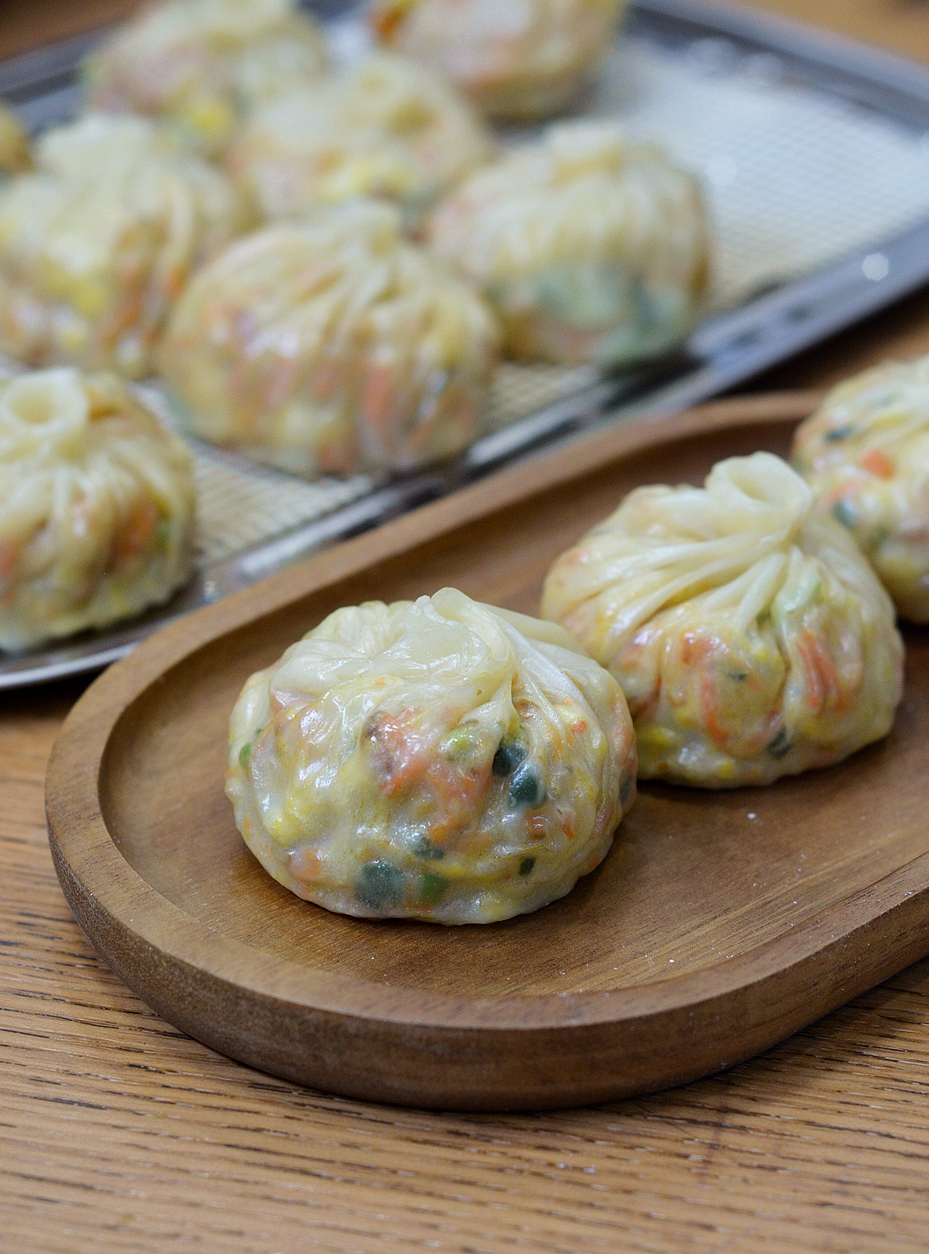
(719, 924)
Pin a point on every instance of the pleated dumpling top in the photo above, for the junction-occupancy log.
(592, 248)
(332, 345)
(749, 633)
(201, 65)
(439, 760)
(98, 241)
(96, 506)
(518, 60)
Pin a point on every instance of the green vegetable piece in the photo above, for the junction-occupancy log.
(525, 867)
(845, 513)
(625, 791)
(432, 888)
(839, 433)
(780, 746)
(245, 753)
(739, 676)
(381, 885)
(424, 848)
(507, 758)
(163, 533)
(459, 741)
(527, 789)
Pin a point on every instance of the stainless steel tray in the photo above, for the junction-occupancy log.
(820, 105)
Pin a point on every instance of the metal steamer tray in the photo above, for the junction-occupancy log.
(814, 153)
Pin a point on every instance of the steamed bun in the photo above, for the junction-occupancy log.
(516, 59)
(439, 760)
(865, 454)
(198, 65)
(589, 246)
(748, 631)
(385, 128)
(332, 345)
(96, 244)
(96, 506)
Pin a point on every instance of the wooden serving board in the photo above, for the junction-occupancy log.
(719, 924)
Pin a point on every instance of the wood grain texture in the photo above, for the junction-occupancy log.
(720, 923)
(117, 1134)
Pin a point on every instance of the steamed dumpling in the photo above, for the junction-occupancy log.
(749, 633)
(14, 143)
(96, 506)
(516, 59)
(97, 242)
(199, 64)
(865, 454)
(332, 345)
(385, 128)
(439, 760)
(589, 246)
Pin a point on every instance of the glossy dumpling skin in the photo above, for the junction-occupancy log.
(98, 241)
(516, 59)
(96, 506)
(332, 346)
(386, 128)
(865, 454)
(438, 760)
(14, 143)
(591, 248)
(748, 631)
(199, 65)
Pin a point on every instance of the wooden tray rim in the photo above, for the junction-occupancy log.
(93, 870)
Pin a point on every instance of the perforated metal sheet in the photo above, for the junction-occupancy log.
(795, 178)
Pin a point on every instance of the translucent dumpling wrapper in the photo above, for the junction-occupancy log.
(200, 65)
(14, 143)
(96, 506)
(865, 454)
(748, 631)
(97, 243)
(516, 59)
(592, 248)
(332, 346)
(385, 128)
(438, 760)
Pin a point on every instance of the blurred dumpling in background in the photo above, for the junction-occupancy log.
(199, 64)
(516, 59)
(98, 241)
(439, 760)
(591, 248)
(14, 143)
(332, 345)
(385, 128)
(96, 506)
(748, 631)
(865, 454)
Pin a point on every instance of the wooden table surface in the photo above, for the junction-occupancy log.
(119, 1134)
